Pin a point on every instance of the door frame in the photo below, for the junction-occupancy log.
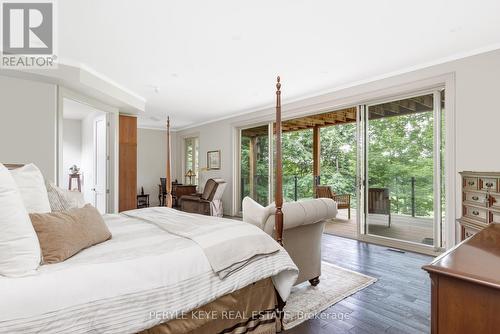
(236, 211)
(441, 232)
(361, 93)
(112, 114)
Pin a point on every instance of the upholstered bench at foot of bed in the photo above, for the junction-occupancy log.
(304, 222)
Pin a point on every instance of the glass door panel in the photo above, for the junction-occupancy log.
(254, 168)
(403, 169)
(297, 152)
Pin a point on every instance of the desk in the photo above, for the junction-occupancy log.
(465, 286)
(178, 190)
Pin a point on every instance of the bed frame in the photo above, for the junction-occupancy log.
(278, 200)
(278, 227)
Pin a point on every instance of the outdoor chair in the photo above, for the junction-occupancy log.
(379, 202)
(343, 201)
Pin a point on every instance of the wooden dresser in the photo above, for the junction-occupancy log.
(465, 286)
(480, 201)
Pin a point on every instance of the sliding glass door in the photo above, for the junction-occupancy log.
(255, 179)
(397, 164)
(402, 174)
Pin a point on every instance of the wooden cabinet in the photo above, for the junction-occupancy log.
(128, 163)
(480, 201)
(465, 285)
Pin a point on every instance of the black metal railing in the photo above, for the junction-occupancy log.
(410, 196)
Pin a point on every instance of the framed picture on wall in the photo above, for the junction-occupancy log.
(213, 160)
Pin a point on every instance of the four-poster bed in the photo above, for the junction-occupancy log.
(278, 232)
(279, 169)
(168, 196)
(161, 271)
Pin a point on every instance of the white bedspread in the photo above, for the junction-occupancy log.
(228, 244)
(122, 285)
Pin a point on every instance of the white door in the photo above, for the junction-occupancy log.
(100, 163)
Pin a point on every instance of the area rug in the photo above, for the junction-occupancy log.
(306, 301)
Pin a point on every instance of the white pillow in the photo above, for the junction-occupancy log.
(31, 185)
(64, 200)
(19, 246)
(74, 198)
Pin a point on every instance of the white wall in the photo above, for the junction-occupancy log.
(213, 136)
(151, 161)
(72, 148)
(477, 116)
(28, 123)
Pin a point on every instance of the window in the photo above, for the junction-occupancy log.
(191, 160)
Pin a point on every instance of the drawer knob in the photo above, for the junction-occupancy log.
(471, 183)
(475, 198)
(489, 184)
(475, 213)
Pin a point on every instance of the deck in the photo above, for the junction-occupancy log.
(406, 228)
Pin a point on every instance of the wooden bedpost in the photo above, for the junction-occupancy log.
(278, 227)
(168, 196)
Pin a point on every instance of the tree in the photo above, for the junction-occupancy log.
(399, 149)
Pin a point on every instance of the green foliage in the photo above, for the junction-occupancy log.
(400, 148)
(261, 177)
(338, 159)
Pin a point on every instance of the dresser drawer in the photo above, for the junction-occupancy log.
(476, 198)
(471, 183)
(488, 184)
(468, 231)
(495, 217)
(474, 213)
(496, 201)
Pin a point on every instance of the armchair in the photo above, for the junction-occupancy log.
(209, 202)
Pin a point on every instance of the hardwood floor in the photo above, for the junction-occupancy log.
(399, 302)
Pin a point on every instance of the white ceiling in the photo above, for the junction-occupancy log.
(212, 59)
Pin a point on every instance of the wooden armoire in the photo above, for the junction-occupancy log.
(128, 163)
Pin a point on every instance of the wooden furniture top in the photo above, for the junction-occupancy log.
(13, 166)
(475, 259)
(491, 174)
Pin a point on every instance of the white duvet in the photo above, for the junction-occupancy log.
(122, 285)
(228, 244)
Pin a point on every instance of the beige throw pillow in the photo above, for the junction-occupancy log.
(66, 233)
